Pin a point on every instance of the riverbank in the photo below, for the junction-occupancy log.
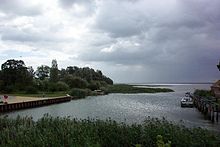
(18, 103)
(82, 93)
(125, 88)
(57, 131)
(39, 94)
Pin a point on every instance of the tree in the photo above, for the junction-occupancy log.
(62, 74)
(70, 70)
(75, 82)
(94, 85)
(218, 66)
(31, 71)
(43, 72)
(99, 72)
(15, 75)
(1, 81)
(54, 71)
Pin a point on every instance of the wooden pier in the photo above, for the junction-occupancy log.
(208, 106)
(30, 102)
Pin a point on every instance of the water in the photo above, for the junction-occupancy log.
(129, 108)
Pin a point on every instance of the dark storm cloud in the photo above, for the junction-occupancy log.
(160, 40)
(119, 19)
(132, 51)
(185, 40)
(205, 10)
(19, 7)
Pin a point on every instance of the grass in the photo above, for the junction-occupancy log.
(206, 93)
(81, 93)
(124, 88)
(203, 93)
(41, 94)
(49, 131)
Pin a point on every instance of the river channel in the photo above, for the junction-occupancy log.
(129, 108)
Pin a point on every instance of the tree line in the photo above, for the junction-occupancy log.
(15, 76)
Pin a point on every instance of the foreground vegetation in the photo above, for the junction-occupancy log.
(203, 93)
(41, 94)
(82, 93)
(16, 77)
(207, 94)
(124, 88)
(49, 131)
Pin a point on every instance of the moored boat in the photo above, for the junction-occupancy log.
(186, 102)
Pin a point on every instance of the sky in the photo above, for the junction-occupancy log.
(131, 41)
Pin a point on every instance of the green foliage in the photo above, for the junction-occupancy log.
(76, 82)
(15, 75)
(44, 85)
(1, 83)
(43, 72)
(88, 74)
(94, 85)
(62, 86)
(31, 90)
(79, 93)
(54, 71)
(52, 87)
(8, 89)
(203, 93)
(104, 89)
(123, 88)
(160, 142)
(40, 94)
(49, 131)
(59, 86)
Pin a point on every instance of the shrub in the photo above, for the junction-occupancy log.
(76, 82)
(205, 93)
(9, 89)
(44, 85)
(104, 89)
(94, 85)
(78, 93)
(31, 90)
(62, 86)
(57, 131)
(124, 88)
(52, 87)
(1, 85)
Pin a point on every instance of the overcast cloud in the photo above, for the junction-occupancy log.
(129, 40)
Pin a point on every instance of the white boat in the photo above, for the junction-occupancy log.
(186, 102)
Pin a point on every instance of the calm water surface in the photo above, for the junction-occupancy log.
(129, 108)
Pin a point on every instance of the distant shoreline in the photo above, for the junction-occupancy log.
(126, 88)
(165, 84)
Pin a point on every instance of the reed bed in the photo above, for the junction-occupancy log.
(63, 131)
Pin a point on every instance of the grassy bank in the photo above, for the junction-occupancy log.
(203, 93)
(206, 93)
(49, 131)
(124, 88)
(82, 93)
(40, 94)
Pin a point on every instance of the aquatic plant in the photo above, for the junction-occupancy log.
(203, 93)
(125, 88)
(79, 93)
(57, 131)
